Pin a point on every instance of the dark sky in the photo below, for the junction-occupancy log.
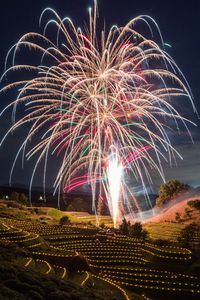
(179, 22)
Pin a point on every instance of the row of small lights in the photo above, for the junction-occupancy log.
(157, 287)
(15, 238)
(29, 261)
(61, 236)
(4, 225)
(84, 243)
(165, 249)
(86, 278)
(51, 254)
(60, 232)
(33, 246)
(141, 261)
(102, 248)
(63, 269)
(46, 226)
(172, 274)
(10, 231)
(162, 276)
(26, 222)
(93, 239)
(47, 264)
(61, 250)
(104, 255)
(104, 251)
(152, 281)
(34, 236)
(140, 275)
(126, 297)
(122, 238)
(71, 242)
(158, 255)
(19, 239)
(60, 255)
(32, 225)
(68, 237)
(166, 256)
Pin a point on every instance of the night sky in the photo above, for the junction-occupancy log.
(179, 22)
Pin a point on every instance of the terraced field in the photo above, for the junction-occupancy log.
(130, 268)
(169, 231)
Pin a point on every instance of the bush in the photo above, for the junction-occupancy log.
(170, 189)
(162, 242)
(8, 294)
(23, 199)
(33, 295)
(194, 204)
(64, 220)
(178, 217)
(188, 213)
(186, 236)
(14, 196)
(102, 225)
(59, 296)
(136, 231)
(36, 210)
(124, 227)
(14, 204)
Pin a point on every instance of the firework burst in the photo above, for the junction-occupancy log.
(102, 102)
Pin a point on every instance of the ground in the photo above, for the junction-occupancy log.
(98, 265)
(169, 214)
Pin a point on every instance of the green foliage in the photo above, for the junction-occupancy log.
(169, 190)
(55, 213)
(23, 199)
(188, 213)
(36, 210)
(102, 225)
(64, 220)
(14, 196)
(19, 197)
(178, 217)
(194, 204)
(162, 242)
(136, 230)
(124, 227)
(187, 234)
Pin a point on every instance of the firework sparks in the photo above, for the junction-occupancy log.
(114, 175)
(92, 94)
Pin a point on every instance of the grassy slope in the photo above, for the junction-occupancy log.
(51, 215)
(170, 213)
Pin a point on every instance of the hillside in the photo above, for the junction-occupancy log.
(169, 213)
(81, 261)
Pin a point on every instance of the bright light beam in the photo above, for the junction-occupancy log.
(114, 174)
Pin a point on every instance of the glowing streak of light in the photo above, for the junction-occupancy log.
(114, 174)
